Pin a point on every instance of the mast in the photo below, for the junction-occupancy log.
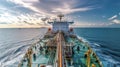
(60, 16)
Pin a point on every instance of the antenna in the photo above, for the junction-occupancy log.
(60, 16)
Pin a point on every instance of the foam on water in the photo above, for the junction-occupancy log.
(12, 56)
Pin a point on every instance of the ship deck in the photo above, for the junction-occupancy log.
(67, 51)
(78, 58)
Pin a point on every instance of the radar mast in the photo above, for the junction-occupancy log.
(60, 16)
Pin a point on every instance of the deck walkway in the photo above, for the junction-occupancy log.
(60, 42)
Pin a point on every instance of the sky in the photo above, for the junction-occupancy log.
(85, 13)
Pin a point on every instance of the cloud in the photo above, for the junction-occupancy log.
(6, 18)
(28, 23)
(113, 17)
(69, 10)
(4, 23)
(51, 7)
(31, 11)
(28, 5)
(63, 6)
(23, 18)
(116, 21)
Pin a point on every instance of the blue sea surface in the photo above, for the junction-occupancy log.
(14, 43)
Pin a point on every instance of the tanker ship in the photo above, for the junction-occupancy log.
(60, 47)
